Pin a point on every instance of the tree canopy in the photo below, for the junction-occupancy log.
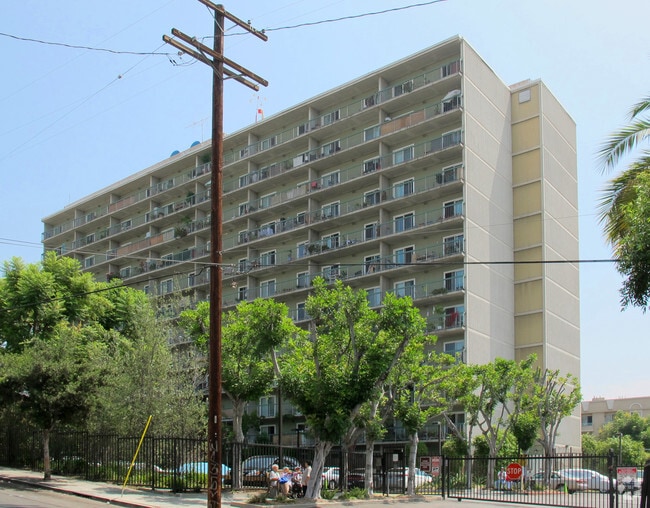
(624, 206)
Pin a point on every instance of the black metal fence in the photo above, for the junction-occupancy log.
(180, 464)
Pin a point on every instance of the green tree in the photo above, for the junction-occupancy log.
(249, 334)
(149, 378)
(55, 381)
(623, 212)
(554, 397)
(421, 382)
(495, 407)
(627, 424)
(35, 298)
(345, 360)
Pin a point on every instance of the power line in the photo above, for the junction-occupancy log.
(353, 16)
(89, 48)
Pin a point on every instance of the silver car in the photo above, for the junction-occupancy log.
(583, 479)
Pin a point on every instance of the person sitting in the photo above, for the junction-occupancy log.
(285, 481)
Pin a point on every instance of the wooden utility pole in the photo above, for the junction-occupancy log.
(215, 59)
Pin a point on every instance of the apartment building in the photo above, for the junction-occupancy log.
(429, 177)
(599, 411)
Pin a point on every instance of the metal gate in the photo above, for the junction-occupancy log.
(563, 480)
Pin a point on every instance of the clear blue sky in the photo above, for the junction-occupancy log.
(71, 125)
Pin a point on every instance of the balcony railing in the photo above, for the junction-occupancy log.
(368, 135)
(128, 201)
(344, 111)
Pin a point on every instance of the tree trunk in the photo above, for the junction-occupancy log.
(47, 467)
(238, 416)
(321, 450)
(370, 483)
(413, 455)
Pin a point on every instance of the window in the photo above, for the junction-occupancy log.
(331, 179)
(301, 312)
(147, 289)
(369, 101)
(243, 236)
(403, 256)
(302, 128)
(404, 288)
(167, 259)
(267, 258)
(524, 96)
(267, 200)
(243, 152)
(454, 316)
(451, 139)
(331, 210)
(455, 348)
(302, 280)
(455, 280)
(371, 133)
(267, 229)
(166, 286)
(451, 101)
(268, 143)
(89, 261)
(374, 297)
(372, 264)
(242, 293)
(191, 280)
(244, 208)
(331, 117)
(371, 198)
(405, 87)
(301, 218)
(302, 250)
(449, 174)
(126, 225)
(331, 148)
(267, 288)
(452, 245)
(403, 155)
(331, 241)
(404, 188)
(587, 420)
(266, 409)
(371, 165)
(609, 418)
(331, 273)
(89, 239)
(244, 180)
(370, 231)
(450, 68)
(452, 209)
(125, 272)
(404, 222)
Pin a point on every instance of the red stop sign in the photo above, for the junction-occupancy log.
(514, 471)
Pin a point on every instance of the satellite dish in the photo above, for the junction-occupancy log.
(175, 152)
(195, 143)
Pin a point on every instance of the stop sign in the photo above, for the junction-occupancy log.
(514, 471)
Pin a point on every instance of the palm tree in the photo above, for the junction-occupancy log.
(623, 206)
(621, 190)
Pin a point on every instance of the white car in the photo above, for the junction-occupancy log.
(330, 477)
(398, 477)
(583, 479)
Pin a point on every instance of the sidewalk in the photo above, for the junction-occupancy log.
(146, 498)
(112, 494)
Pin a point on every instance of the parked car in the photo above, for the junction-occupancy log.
(539, 479)
(202, 468)
(398, 477)
(331, 477)
(357, 478)
(255, 469)
(583, 479)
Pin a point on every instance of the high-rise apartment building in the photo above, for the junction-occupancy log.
(428, 177)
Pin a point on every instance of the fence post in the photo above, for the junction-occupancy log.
(443, 474)
(610, 471)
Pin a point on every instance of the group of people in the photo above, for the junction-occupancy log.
(290, 483)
